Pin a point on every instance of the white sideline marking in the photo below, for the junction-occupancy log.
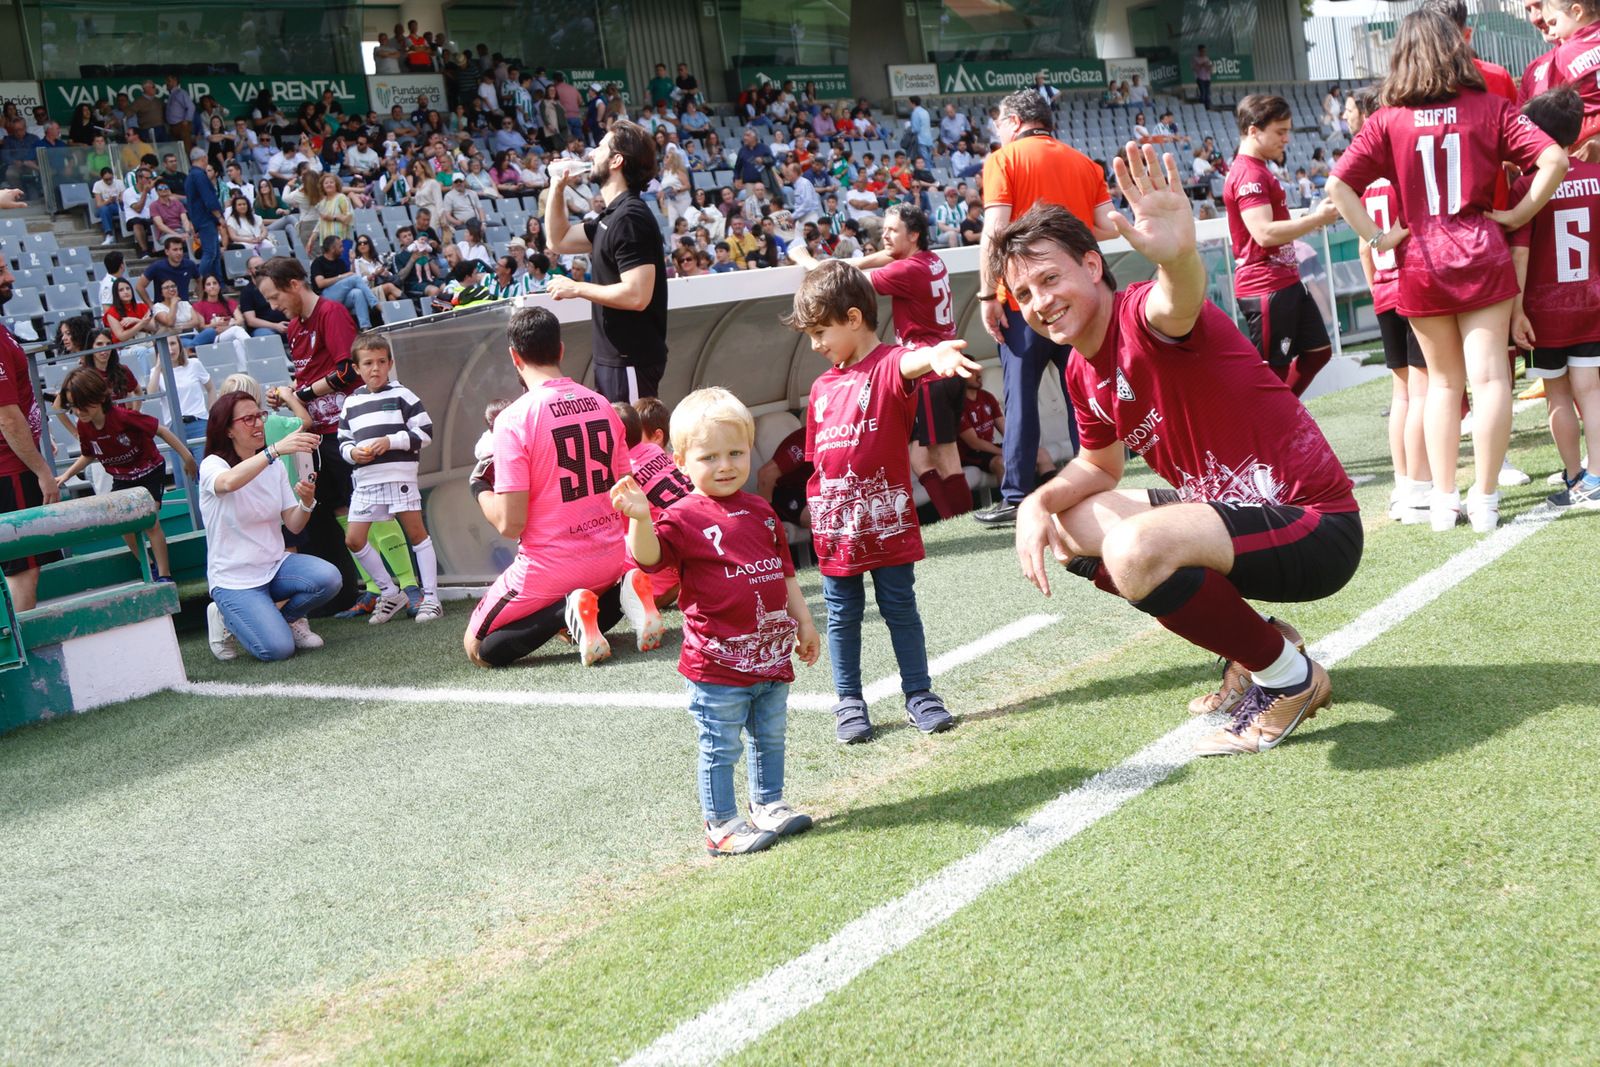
(755, 1009)
(875, 692)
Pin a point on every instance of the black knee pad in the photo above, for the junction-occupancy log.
(1173, 593)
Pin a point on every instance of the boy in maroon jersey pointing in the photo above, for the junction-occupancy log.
(1261, 507)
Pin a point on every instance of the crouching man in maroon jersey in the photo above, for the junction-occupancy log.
(1261, 506)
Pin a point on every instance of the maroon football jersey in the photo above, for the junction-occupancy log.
(1562, 292)
(1205, 413)
(125, 446)
(920, 288)
(1257, 270)
(1444, 161)
(1384, 209)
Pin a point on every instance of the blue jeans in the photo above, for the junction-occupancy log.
(353, 294)
(108, 218)
(207, 336)
(895, 590)
(210, 251)
(721, 712)
(251, 615)
(1023, 359)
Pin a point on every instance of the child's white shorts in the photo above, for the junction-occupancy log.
(378, 501)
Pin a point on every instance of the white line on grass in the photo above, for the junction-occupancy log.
(785, 991)
(875, 692)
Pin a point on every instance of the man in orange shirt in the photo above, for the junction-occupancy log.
(1031, 166)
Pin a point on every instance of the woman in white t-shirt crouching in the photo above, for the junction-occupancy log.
(246, 501)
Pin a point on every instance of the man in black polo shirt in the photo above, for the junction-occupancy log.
(177, 266)
(629, 290)
(260, 317)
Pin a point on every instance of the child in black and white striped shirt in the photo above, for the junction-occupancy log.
(381, 432)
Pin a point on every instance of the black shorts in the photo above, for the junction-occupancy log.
(333, 474)
(628, 383)
(154, 483)
(1284, 324)
(1283, 553)
(17, 493)
(1553, 362)
(1400, 347)
(789, 503)
(939, 404)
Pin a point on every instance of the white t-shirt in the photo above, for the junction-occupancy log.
(244, 531)
(130, 196)
(111, 190)
(191, 377)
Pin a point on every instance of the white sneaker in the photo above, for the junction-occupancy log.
(778, 818)
(639, 605)
(583, 623)
(110, 240)
(1510, 476)
(303, 637)
(388, 606)
(430, 609)
(1444, 510)
(1483, 511)
(1414, 509)
(223, 644)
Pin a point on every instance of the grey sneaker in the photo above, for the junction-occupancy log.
(779, 818)
(736, 837)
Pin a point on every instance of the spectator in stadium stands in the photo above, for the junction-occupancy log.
(361, 158)
(953, 126)
(17, 157)
(149, 113)
(804, 203)
(919, 128)
(176, 266)
(1138, 93)
(753, 163)
(628, 293)
(1202, 75)
(255, 312)
(740, 241)
(1031, 167)
(419, 56)
(337, 282)
(1047, 92)
(107, 193)
(386, 56)
(261, 592)
(179, 112)
(693, 120)
(205, 213)
(947, 220)
(458, 206)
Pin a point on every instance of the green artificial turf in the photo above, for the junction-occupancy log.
(197, 879)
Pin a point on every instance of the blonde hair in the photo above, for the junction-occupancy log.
(705, 407)
(242, 383)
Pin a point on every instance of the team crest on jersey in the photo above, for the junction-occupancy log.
(865, 399)
(1283, 345)
(771, 525)
(819, 405)
(1124, 390)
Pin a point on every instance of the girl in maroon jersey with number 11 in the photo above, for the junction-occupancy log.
(1441, 139)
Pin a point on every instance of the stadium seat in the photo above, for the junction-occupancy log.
(75, 194)
(73, 274)
(40, 242)
(13, 229)
(702, 180)
(31, 277)
(234, 262)
(394, 311)
(25, 300)
(60, 297)
(394, 217)
(266, 352)
(75, 256)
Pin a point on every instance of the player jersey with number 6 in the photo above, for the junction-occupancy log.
(1562, 293)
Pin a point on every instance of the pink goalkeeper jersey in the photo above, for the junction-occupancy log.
(1258, 270)
(1444, 161)
(1562, 294)
(564, 446)
(1383, 207)
(662, 483)
(920, 288)
(1178, 405)
(733, 561)
(857, 424)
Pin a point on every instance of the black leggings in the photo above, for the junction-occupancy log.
(509, 643)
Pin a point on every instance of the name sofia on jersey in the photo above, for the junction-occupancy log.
(846, 435)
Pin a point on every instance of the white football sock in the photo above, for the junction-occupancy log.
(372, 561)
(1287, 671)
(427, 567)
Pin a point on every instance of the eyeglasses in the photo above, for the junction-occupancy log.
(251, 420)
